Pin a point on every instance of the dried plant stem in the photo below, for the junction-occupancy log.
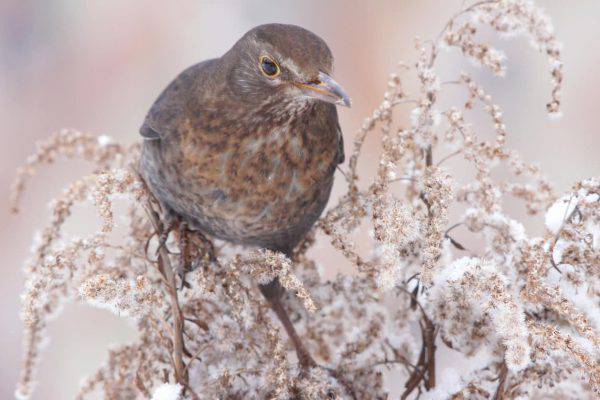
(415, 378)
(501, 391)
(429, 334)
(273, 292)
(180, 374)
(451, 21)
(424, 371)
(166, 269)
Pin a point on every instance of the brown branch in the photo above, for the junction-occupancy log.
(417, 375)
(429, 156)
(501, 391)
(449, 156)
(566, 219)
(425, 368)
(273, 291)
(424, 371)
(166, 269)
(453, 241)
(429, 333)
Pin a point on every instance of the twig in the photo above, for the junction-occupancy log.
(566, 218)
(449, 156)
(425, 368)
(429, 333)
(196, 356)
(454, 242)
(500, 391)
(416, 376)
(343, 173)
(273, 292)
(181, 373)
(405, 101)
(429, 156)
(402, 178)
(434, 45)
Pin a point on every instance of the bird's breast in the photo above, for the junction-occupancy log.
(255, 184)
(266, 169)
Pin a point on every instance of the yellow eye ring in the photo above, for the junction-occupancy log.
(269, 67)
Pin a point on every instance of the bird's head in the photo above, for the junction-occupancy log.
(283, 63)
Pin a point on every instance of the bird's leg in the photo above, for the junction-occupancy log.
(273, 292)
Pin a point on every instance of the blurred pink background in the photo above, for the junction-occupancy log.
(98, 65)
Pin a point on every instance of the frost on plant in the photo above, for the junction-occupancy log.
(519, 314)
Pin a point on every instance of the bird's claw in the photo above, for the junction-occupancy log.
(195, 250)
(169, 221)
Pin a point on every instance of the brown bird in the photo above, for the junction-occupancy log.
(244, 147)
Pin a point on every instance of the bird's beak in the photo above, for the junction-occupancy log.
(326, 89)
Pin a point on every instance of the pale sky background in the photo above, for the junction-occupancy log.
(98, 65)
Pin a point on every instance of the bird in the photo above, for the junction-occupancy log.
(244, 147)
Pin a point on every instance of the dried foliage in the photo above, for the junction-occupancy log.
(520, 314)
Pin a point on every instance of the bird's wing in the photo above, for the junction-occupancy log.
(164, 115)
(161, 118)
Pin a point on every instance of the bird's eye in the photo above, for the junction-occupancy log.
(269, 67)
